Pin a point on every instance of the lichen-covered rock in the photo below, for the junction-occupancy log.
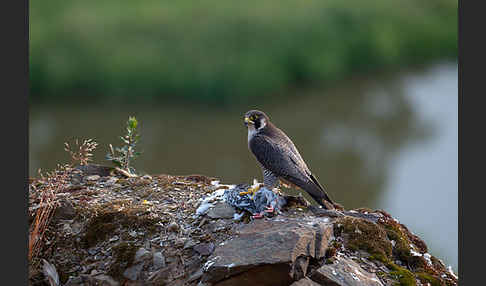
(178, 230)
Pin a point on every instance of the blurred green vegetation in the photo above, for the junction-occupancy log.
(226, 51)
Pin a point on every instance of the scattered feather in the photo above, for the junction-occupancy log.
(50, 272)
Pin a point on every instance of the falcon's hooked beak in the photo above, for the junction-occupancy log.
(248, 121)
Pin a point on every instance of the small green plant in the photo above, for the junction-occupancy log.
(123, 156)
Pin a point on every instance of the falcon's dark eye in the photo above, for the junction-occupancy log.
(257, 123)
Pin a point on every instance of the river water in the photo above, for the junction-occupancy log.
(387, 142)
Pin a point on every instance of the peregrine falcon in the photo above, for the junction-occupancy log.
(279, 158)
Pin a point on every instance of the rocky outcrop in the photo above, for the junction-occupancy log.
(269, 252)
(178, 230)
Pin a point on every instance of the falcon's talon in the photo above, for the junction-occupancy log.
(269, 209)
(257, 216)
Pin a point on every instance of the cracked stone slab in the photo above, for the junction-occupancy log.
(266, 250)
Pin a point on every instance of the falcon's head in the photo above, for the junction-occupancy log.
(256, 120)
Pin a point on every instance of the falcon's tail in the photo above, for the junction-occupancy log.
(324, 201)
(320, 196)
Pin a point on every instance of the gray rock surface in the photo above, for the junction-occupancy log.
(204, 248)
(158, 260)
(133, 272)
(65, 211)
(142, 254)
(98, 279)
(103, 279)
(305, 282)
(221, 210)
(344, 271)
(267, 249)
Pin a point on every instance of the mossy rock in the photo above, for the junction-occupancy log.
(428, 278)
(360, 234)
(404, 276)
(331, 251)
(376, 239)
(401, 250)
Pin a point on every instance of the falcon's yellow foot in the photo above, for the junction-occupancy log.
(251, 190)
(277, 191)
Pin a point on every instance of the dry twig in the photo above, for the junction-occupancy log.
(53, 183)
